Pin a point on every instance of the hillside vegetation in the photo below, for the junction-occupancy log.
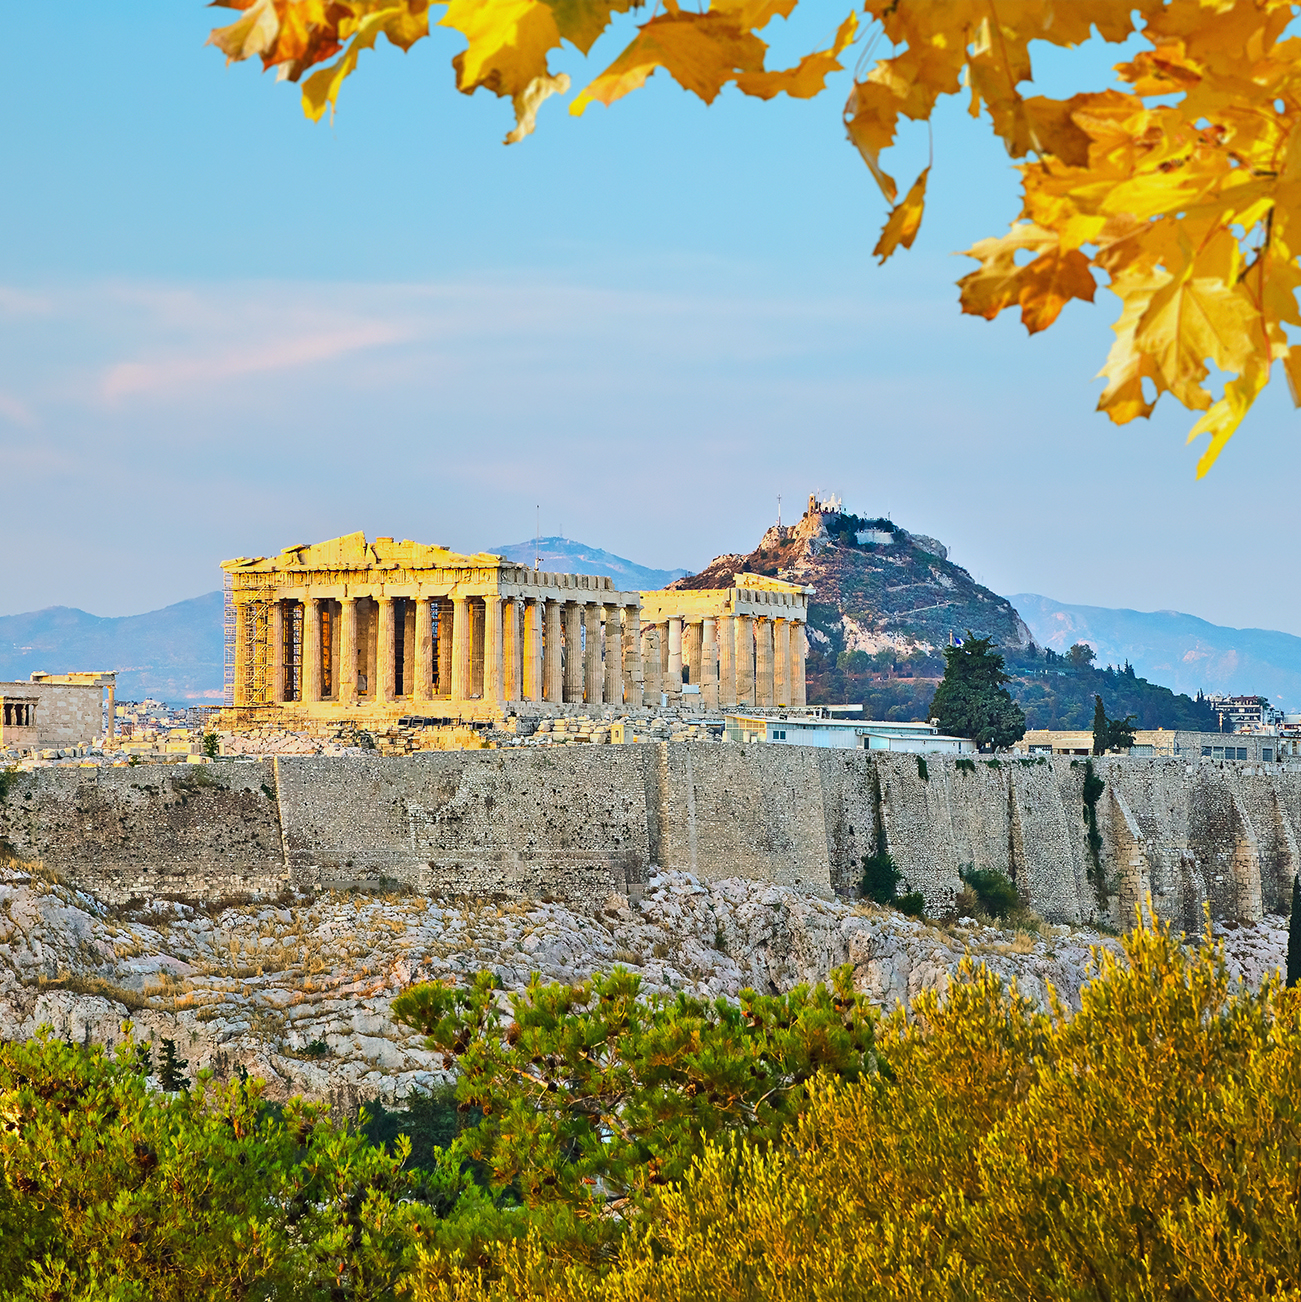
(1144, 1147)
(1053, 691)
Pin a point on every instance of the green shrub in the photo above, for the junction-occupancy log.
(880, 878)
(922, 771)
(913, 904)
(171, 1071)
(111, 1193)
(996, 893)
(593, 1092)
(966, 765)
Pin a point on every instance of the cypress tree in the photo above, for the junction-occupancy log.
(1294, 936)
(1100, 734)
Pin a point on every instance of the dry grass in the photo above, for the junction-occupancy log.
(79, 985)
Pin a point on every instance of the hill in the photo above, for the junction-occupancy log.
(569, 557)
(173, 654)
(879, 589)
(1188, 653)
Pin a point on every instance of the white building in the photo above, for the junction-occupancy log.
(846, 734)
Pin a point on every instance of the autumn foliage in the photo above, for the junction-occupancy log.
(1147, 1147)
(1178, 193)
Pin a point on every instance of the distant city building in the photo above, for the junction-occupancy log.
(1258, 747)
(1245, 713)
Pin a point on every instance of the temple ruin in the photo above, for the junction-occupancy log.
(373, 631)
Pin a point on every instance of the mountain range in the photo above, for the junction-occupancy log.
(1185, 653)
(564, 556)
(175, 654)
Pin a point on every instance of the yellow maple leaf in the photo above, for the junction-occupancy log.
(1183, 188)
(1224, 417)
(1042, 287)
(904, 221)
(396, 21)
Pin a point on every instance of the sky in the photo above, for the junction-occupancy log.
(225, 330)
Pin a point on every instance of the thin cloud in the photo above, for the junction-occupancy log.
(18, 302)
(129, 379)
(16, 411)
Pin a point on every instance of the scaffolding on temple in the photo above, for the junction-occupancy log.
(228, 631)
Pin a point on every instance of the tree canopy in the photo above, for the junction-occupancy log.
(1178, 193)
(975, 1147)
(971, 700)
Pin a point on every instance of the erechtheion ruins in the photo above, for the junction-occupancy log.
(372, 631)
(56, 710)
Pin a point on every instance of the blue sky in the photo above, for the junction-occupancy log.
(224, 330)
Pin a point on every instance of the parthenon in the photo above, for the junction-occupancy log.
(350, 629)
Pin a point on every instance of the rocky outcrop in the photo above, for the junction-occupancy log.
(298, 991)
(878, 585)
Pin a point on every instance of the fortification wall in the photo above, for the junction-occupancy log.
(150, 830)
(581, 822)
(571, 824)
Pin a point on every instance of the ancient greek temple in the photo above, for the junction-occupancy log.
(744, 645)
(374, 630)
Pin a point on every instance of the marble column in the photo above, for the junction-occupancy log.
(446, 622)
(613, 690)
(531, 678)
(276, 652)
(409, 647)
(653, 677)
(492, 648)
(592, 653)
(311, 649)
(573, 651)
(633, 673)
(727, 662)
(477, 634)
(385, 650)
(692, 650)
(799, 652)
(111, 731)
(348, 650)
(709, 664)
(553, 665)
(781, 664)
(674, 675)
(243, 652)
(422, 688)
(372, 655)
(513, 648)
(744, 660)
(763, 652)
(461, 648)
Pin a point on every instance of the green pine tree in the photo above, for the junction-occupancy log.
(1100, 736)
(971, 701)
(171, 1071)
(1294, 936)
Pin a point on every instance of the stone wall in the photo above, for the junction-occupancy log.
(581, 822)
(150, 830)
(570, 823)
